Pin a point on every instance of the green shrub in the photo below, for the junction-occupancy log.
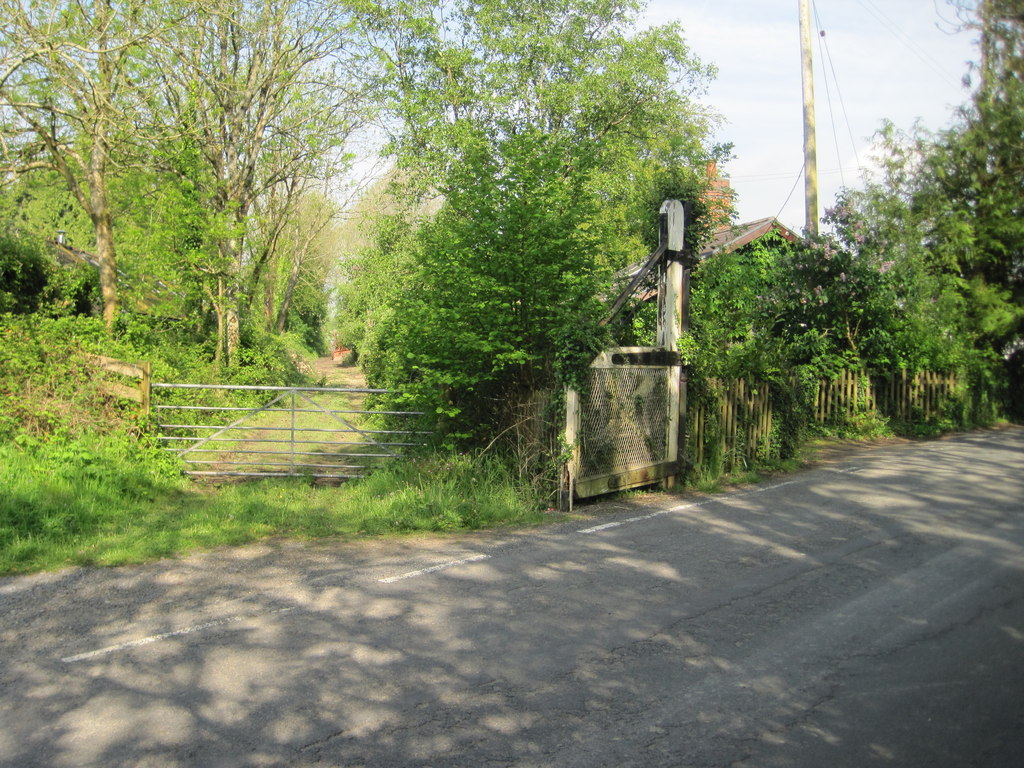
(32, 282)
(23, 275)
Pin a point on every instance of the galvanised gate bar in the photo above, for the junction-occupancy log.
(315, 432)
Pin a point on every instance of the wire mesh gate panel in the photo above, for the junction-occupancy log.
(316, 432)
(624, 425)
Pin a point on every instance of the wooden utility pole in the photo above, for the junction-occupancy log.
(810, 149)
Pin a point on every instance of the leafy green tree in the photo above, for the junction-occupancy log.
(32, 283)
(70, 84)
(977, 168)
(543, 131)
(482, 316)
(731, 323)
(268, 94)
(22, 276)
(39, 206)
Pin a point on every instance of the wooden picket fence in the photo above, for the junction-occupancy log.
(742, 422)
(898, 396)
(735, 428)
(906, 398)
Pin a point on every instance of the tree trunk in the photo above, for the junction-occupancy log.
(268, 300)
(218, 305)
(289, 291)
(232, 250)
(102, 222)
(105, 255)
(234, 338)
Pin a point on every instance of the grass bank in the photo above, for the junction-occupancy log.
(107, 502)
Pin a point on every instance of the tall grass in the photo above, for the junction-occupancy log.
(83, 481)
(108, 502)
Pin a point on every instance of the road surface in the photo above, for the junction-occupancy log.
(868, 612)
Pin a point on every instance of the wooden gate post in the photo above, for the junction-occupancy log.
(672, 306)
(572, 439)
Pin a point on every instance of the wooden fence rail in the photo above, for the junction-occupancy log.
(142, 372)
(735, 428)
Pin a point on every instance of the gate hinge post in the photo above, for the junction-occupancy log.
(570, 471)
(671, 312)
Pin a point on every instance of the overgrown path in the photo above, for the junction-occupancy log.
(868, 612)
(335, 374)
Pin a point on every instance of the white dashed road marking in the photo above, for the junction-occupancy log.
(432, 569)
(164, 636)
(681, 507)
(410, 575)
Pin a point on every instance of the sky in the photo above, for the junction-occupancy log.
(901, 60)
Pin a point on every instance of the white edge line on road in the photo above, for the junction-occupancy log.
(432, 569)
(681, 507)
(164, 636)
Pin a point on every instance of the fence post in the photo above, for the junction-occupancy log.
(146, 386)
(672, 320)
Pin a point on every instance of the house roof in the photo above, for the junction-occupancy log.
(154, 291)
(733, 236)
(725, 240)
(69, 257)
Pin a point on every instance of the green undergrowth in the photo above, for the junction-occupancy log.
(83, 479)
(114, 502)
(711, 482)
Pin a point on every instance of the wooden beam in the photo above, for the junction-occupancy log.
(117, 366)
(121, 390)
(645, 270)
(620, 481)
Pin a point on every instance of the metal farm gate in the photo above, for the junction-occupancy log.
(316, 432)
(624, 426)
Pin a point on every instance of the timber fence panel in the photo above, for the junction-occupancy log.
(745, 417)
(921, 397)
(743, 433)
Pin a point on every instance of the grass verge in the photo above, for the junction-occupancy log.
(104, 502)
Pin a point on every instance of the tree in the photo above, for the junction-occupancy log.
(731, 325)
(978, 166)
(23, 276)
(542, 130)
(269, 94)
(302, 255)
(69, 85)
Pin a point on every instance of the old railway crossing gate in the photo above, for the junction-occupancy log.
(625, 427)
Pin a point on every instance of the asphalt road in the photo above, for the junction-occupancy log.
(869, 612)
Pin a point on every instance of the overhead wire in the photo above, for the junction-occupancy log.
(799, 176)
(755, 177)
(828, 96)
(826, 55)
(894, 29)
